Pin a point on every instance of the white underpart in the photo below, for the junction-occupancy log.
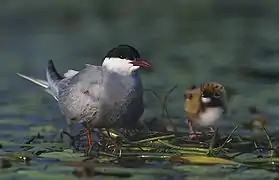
(118, 65)
(210, 116)
(205, 100)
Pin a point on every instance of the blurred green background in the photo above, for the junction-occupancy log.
(187, 41)
(235, 43)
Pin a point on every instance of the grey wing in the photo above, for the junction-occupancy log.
(79, 96)
(115, 93)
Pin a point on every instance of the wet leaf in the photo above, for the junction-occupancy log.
(131, 162)
(200, 160)
(34, 174)
(24, 157)
(66, 155)
(43, 128)
(5, 163)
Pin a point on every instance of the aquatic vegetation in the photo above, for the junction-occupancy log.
(132, 158)
(131, 154)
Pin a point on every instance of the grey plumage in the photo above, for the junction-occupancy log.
(100, 97)
(107, 96)
(95, 95)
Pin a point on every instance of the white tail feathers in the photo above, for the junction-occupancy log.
(40, 82)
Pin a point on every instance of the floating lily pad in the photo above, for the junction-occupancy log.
(66, 155)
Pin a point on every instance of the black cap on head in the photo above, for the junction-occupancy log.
(124, 52)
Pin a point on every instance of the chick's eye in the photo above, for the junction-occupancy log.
(216, 94)
(187, 96)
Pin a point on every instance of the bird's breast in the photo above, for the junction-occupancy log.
(209, 116)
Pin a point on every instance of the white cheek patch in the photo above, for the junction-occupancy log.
(205, 100)
(121, 66)
(134, 68)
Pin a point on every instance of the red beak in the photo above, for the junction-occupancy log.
(141, 63)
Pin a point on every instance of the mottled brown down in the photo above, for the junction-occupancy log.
(192, 103)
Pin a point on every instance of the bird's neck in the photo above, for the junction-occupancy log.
(121, 71)
(135, 75)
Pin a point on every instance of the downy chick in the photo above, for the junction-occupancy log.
(204, 105)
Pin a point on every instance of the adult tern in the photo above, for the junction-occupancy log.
(107, 96)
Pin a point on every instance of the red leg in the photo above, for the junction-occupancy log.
(89, 139)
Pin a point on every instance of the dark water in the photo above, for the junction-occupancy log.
(234, 43)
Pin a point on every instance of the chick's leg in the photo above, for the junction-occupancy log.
(192, 133)
(190, 126)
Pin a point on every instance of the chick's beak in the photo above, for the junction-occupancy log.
(141, 63)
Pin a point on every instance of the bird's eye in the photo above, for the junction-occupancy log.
(188, 96)
(216, 94)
